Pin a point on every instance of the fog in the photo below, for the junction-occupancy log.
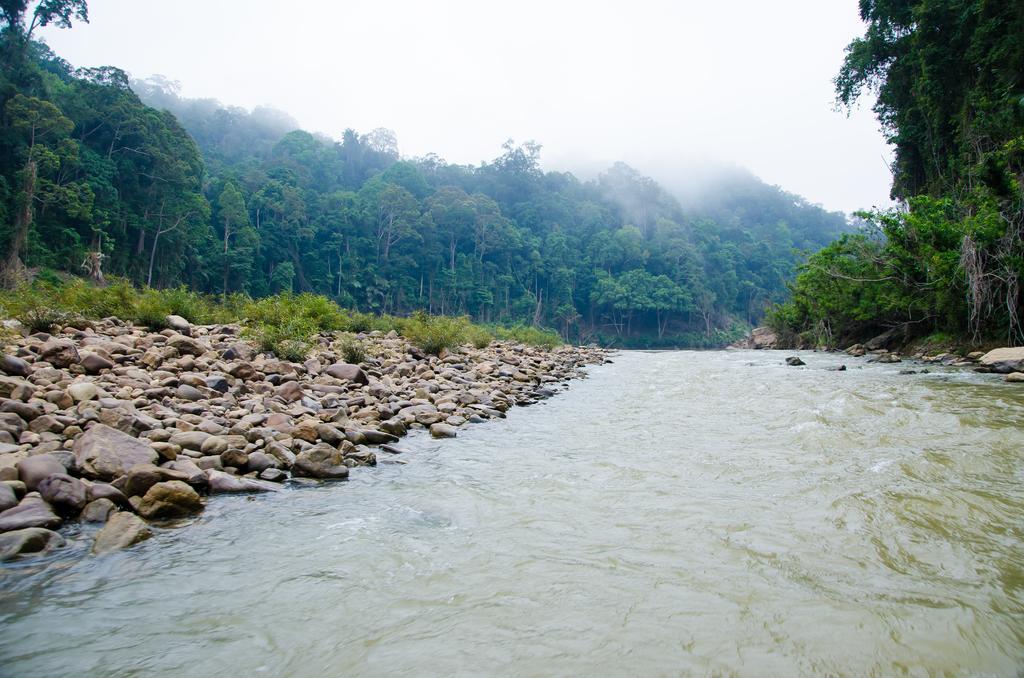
(679, 90)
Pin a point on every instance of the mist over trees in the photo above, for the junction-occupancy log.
(175, 191)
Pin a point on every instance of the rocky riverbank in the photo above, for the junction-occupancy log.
(119, 426)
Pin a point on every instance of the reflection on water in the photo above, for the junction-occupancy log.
(681, 512)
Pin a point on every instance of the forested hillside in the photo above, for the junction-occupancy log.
(167, 191)
(948, 76)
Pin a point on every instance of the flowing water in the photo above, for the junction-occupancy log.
(675, 513)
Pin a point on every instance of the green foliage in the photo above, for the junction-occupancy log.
(352, 350)
(434, 334)
(37, 307)
(291, 339)
(312, 309)
(528, 334)
(478, 336)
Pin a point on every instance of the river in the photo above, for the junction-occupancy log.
(674, 513)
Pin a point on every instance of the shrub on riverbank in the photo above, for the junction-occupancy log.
(285, 324)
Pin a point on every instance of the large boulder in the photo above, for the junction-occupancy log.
(65, 493)
(35, 469)
(225, 482)
(98, 511)
(121, 531)
(14, 366)
(179, 324)
(1004, 360)
(8, 497)
(106, 453)
(186, 345)
(170, 499)
(59, 352)
(352, 373)
(320, 461)
(32, 511)
(441, 430)
(28, 540)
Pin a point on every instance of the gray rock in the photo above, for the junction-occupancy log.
(260, 461)
(179, 324)
(373, 437)
(122, 530)
(274, 475)
(320, 461)
(352, 373)
(186, 392)
(214, 445)
(189, 440)
(59, 353)
(28, 540)
(106, 453)
(32, 511)
(94, 363)
(794, 361)
(234, 457)
(14, 366)
(225, 482)
(83, 390)
(1004, 360)
(441, 430)
(109, 492)
(170, 499)
(8, 498)
(65, 493)
(98, 511)
(33, 470)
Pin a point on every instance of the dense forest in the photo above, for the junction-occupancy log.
(949, 80)
(104, 176)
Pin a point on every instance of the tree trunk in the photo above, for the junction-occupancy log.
(13, 267)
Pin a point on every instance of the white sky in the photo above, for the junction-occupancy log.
(658, 84)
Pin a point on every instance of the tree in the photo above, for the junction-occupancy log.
(39, 124)
(234, 218)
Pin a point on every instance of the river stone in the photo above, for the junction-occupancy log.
(94, 363)
(170, 499)
(33, 470)
(65, 493)
(214, 445)
(59, 353)
(179, 324)
(106, 491)
(234, 457)
(106, 453)
(82, 391)
(352, 373)
(8, 498)
(189, 440)
(225, 482)
(28, 540)
(320, 461)
(14, 366)
(1004, 360)
(139, 479)
(260, 461)
(1015, 377)
(32, 511)
(186, 345)
(122, 530)
(217, 383)
(186, 392)
(441, 430)
(192, 474)
(98, 511)
(374, 437)
(794, 361)
(274, 475)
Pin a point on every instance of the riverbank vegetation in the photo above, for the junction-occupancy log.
(101, 175)
(948, 76)
(285, 324)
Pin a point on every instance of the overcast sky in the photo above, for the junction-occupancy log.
(665, 86)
